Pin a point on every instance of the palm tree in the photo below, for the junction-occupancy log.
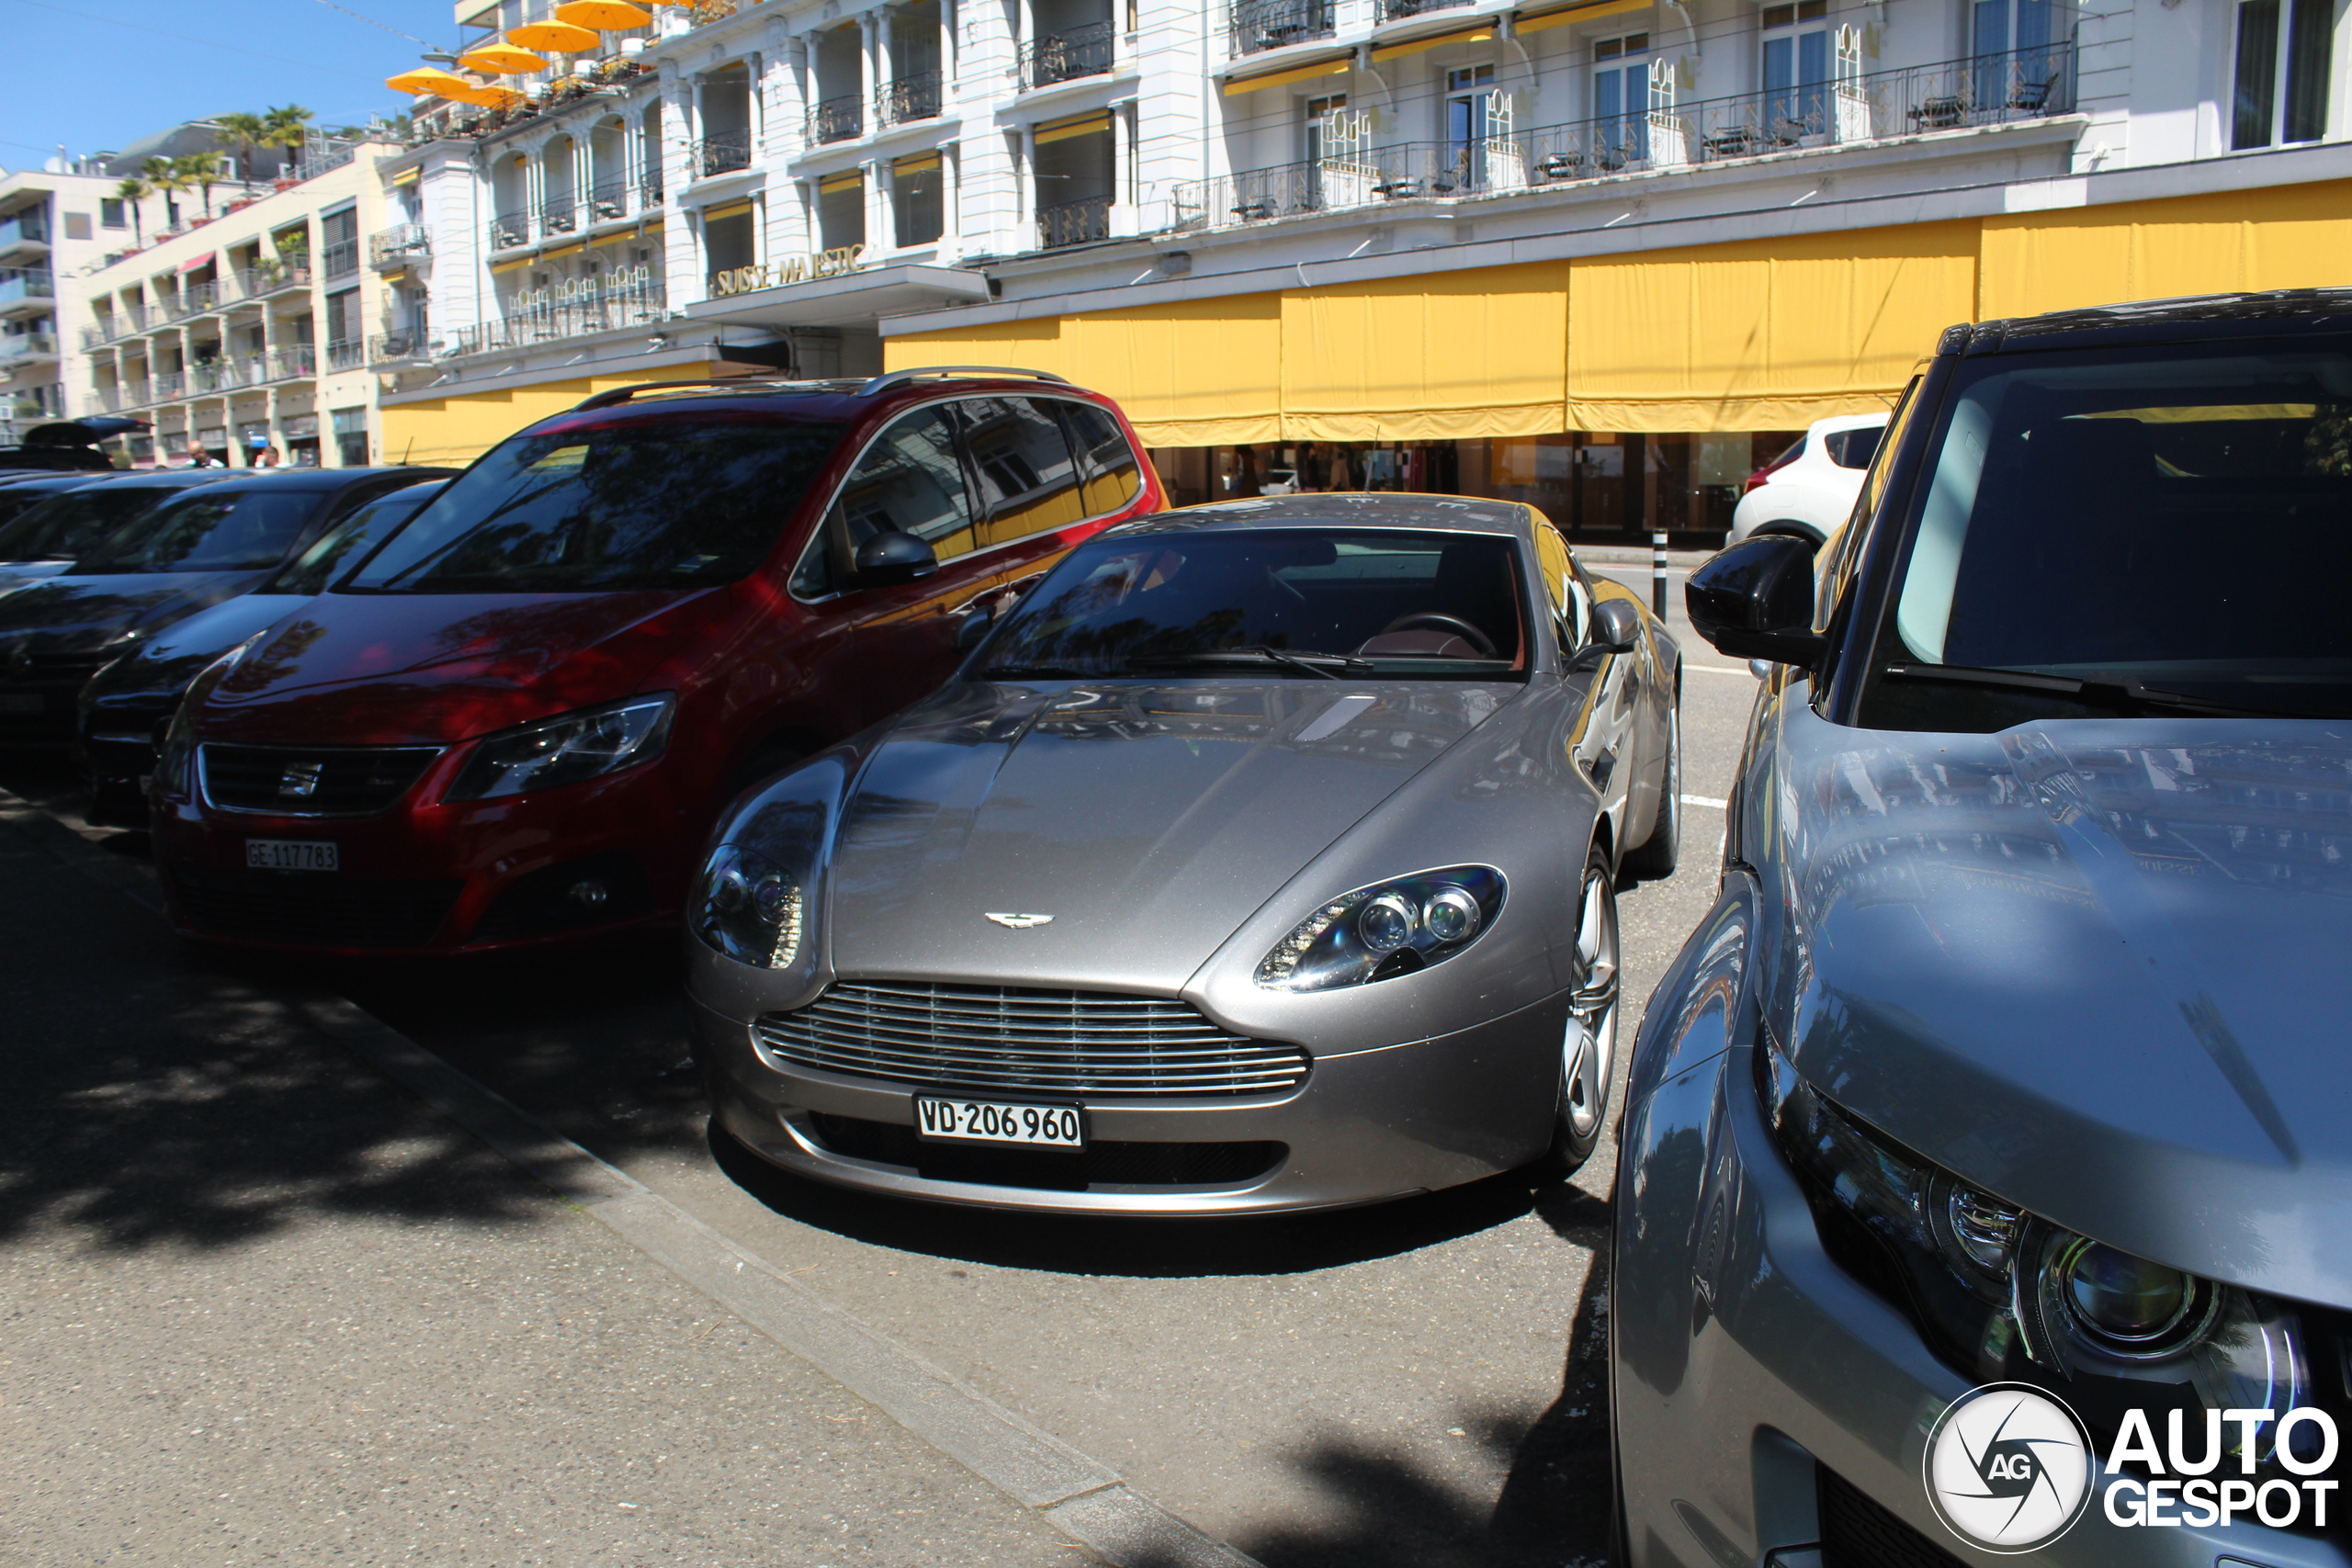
(163, 174)
(202, 170)
(287, 127)
(131, 193)
(243, 133)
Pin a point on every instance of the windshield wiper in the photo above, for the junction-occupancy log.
(2126, 693)
(1306, 660)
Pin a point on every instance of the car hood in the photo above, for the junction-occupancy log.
(1148, 820)
(72, 615)
(2096, 967)
(161, 668)
(391, 668)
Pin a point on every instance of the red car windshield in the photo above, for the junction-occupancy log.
(641, 505)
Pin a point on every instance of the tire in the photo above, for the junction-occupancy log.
(1588, 1043)
(1657, 856)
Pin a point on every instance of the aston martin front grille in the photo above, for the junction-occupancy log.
(1022, 1040)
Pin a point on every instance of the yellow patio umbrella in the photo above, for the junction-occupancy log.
(502, 60)
(605, 16)
(561, 36)
(430, 79)
(493, 97)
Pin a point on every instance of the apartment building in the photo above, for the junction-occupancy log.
(52, 226)
(1604, 256)
(243, 331)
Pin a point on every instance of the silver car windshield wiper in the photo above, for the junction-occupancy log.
(1307, 661)
(2122, 692)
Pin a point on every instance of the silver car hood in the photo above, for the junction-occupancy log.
(2098, 967)
(1148, 820)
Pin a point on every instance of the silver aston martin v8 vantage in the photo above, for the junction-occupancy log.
(1263, 856)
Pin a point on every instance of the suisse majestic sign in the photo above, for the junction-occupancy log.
(790, 269)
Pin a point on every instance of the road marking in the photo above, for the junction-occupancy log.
(1083, 1498)
(1707, 800)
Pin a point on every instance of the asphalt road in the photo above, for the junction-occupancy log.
(1414, 1384)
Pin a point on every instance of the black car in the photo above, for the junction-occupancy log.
(71, 445)
(71, 512)
(126, 705)
(163, 566)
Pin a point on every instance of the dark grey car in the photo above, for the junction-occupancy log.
(2010, 1058)
(1263, 857)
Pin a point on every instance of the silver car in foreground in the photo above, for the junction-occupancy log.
(1261, 857)
(1985, 1173)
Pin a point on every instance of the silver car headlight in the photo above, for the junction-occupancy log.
(2006, 1293)
(749, 909)
(568, 749)
(1386, 929)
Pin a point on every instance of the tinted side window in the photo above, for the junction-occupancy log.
(1853, 448)
(908, 481)
(1560, 583)
(1113, 475)
(1027, 477)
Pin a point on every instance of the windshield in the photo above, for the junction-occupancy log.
(2146, 526)
(666, 505)
(1427, 604)
(63, 525)
(210, 530)
(311, 572)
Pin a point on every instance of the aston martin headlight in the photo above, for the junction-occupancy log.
(749, 909)
(566, 748)
(2005, 1294)
(1386, 929)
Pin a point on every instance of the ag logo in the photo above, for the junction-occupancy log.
(2008, 1468)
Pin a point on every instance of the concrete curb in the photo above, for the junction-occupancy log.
(1083, 1498)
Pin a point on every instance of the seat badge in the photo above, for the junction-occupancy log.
(300, 781)
(1020, 922)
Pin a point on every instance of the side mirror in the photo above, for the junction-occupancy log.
(1616, 628)
(1754, 601)
(894, 558)
(974, 628)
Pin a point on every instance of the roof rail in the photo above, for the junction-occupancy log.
(613, 395)
(900, 377)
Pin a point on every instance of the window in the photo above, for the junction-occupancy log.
(1114, 477)
(841, 211)
(339, 248)
(1028, 479)
(917, 205)
(1620, 95)
(343, 347)
(351, 437)
(111, 215)
(77, 225)
(727, 238)
(909, 480)
(1796, 66)
(1468, 94)
(1317, 111)
(2284, 53)
(2016, 55)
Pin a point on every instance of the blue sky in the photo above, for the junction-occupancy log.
(100, 74)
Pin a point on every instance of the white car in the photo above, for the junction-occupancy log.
(1808, 490)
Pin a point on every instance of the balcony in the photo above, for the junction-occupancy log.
(135, 394)
(1398, 10)
(1992, 89)
(1261, 25)
(23, 231)
(110, 329)
(346, 354)
(1074, 222)
(398, 348)
(1067, 55)
(510, 230)
(607, 201)
(648, 189)
(273, 277)
(340, 259)
(836, 120)
(26, 291)
(168, 387)
(560, 215)
(293, 363)
(904, 100)
(399, 245)
(196, 299)
(24, 348)
(631, 297)
(224, 376)
(720, 154)
(113, 399)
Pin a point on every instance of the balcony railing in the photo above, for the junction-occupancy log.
(21, 284)
(908, 99)
(398, 348)
(628, 297)
(1398, 11)
(346, 354)
(224, 376)
(510, 230)
(113, 399)
(721, 154)
(836, 120)
(137, 394)
(607, 200)
(1074, 222)
(107, 329)
(648, 189)
(196, 299)
(19, 347)
(1067, 55)
(1270, 24)
(560, 215)
(294, 363)
(340, 258)
(400, 244)
(273, 277)
(1991, 89)
(27, 228)
(170, 387)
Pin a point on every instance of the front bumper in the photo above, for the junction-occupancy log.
(1767, 1407)
(1384, 1121)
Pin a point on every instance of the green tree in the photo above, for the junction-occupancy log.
(243, 133)
(131, 193)
(164, 176)
(289, 128)
(202, 170)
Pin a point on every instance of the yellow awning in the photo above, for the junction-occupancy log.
(918, 164)
(453, 431)
(604, 15)
(563, 250)
(510, 265)
(561, 36)
(1336, 65)
(1077, 125)
(1537, 21)
(407, 178)
(1416, 45)
(1438, 356)
(832, 182)
(502, 60)
(727, 209)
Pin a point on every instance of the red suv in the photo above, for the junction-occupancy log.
(516, 721)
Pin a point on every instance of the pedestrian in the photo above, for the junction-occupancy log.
(259, 453)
